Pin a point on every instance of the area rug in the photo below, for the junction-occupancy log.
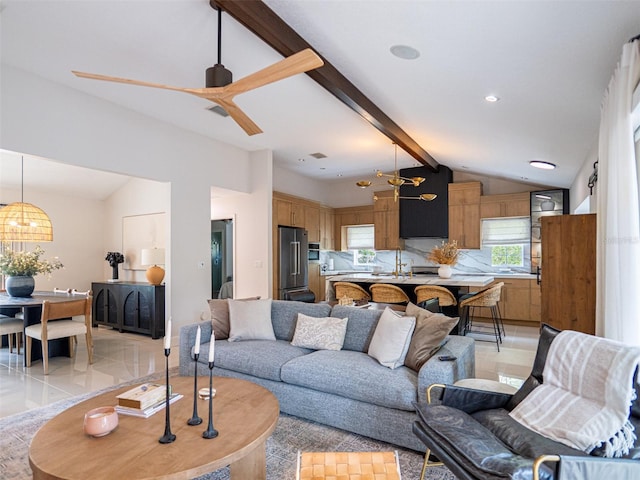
(290, 436)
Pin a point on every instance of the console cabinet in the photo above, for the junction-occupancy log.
(129, 307)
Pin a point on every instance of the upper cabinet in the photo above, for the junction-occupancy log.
(361, 215)
(419, 218)
(312, 223)
(288, 212)
(505, 205)
(386, 220)
(464, 213)
(327, 220)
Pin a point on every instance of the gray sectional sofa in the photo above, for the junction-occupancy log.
(347, 388)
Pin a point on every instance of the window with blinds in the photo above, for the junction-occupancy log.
(506, 231)
(360, 237)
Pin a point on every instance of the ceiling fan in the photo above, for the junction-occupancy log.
(221, 89)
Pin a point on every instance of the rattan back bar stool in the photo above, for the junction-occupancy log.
(444, 296)
(350, 290)
(488, 297)
(387, 293)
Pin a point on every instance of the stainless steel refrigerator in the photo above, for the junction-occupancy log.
(294, 248)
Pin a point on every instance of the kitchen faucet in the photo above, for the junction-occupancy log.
(398, 271)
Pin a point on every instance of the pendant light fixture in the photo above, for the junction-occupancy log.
(24, 222)
(396, 181)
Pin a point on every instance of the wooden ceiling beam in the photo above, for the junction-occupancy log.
(263, 22)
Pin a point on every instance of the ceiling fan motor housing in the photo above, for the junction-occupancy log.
(218, 76)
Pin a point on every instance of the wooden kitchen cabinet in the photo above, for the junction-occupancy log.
(505, 205)
(327, 225)
(568, 280)
(360, 215)
(516, 299)
(316, 281)
(386, 222)
(536, 301)
(312, 223)
(464, 214)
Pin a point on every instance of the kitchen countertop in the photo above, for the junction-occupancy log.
(454, 281)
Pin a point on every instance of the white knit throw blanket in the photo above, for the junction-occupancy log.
(586, 396)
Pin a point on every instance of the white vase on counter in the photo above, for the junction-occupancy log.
(444, 271)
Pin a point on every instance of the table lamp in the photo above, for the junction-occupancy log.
(153, 257)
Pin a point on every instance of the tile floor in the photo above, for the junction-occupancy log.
(119, 357)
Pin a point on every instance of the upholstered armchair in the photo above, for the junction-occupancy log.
(471, 432)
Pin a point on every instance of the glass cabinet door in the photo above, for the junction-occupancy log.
(545, 203)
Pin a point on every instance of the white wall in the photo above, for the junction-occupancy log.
(46, 119)
(579, 188)
(78, 231)
(252, 229)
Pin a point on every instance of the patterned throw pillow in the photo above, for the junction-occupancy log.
(326, 333)
(431, 330)
(390, 341)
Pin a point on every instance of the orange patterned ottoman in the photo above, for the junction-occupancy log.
(348, 466)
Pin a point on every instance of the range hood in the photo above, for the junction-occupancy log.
(420, 219)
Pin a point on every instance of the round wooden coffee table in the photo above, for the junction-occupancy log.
(245, 415)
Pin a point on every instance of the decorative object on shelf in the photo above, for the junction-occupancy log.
(114, 259)
(168, 437)
(21, 266)
(396, 181)
(446, 256)
(195, 419)
(24, 222)
(153, 257)
(211, 432)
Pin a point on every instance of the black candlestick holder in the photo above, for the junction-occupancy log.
(195, 419)
(210, 432)
(168, 437)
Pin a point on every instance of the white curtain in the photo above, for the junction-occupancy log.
(618, 247)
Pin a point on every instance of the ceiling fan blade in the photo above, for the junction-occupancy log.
(300, 62)
(106, 78)
(239, 116)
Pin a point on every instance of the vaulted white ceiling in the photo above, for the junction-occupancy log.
(548, 61)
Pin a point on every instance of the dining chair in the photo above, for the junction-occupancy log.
(55, 323)
(11, 326)
(78, 318)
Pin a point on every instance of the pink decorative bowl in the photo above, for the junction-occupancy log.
(100, 421)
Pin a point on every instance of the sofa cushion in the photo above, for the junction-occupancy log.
(431, 330)
(466, 438)
(519, 438)
(390, 341)
(259, 358)
(326, 333)
(353, 375)
(284, 315)
(360, 327)
(250, 320)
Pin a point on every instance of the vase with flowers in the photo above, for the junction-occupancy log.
(19, 268)
(445, 255)
(114, 259)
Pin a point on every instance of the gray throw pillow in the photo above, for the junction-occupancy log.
(250, 320)
(431, 330)
(326, 333)
(390, 341)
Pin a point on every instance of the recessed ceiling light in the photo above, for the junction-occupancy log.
(339, 175)
(542, 164)
(301, 160)
(404, 51)
(491, 98)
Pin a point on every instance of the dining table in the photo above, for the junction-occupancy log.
(32, 311)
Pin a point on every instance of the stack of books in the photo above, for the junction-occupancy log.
(144, 400)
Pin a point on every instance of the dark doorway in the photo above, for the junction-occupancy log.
(222, 258)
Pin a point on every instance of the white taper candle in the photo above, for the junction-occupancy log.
(167, 336)
(196, 347)
(211, 346)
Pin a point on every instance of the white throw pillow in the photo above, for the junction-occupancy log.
(250, 320)
(391, 339)
(326, 333)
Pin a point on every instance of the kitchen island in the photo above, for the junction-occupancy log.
(457, 283)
